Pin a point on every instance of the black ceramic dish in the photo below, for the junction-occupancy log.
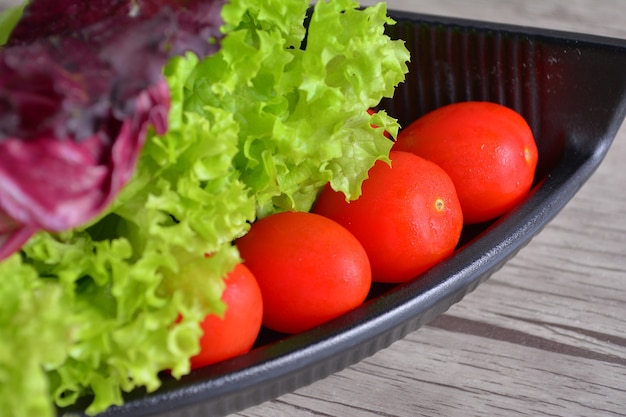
(572, 90)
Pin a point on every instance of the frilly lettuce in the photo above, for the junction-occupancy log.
(302, 111)
(256, 128)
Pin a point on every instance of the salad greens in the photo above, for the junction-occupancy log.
(258, 127)
(8, 20)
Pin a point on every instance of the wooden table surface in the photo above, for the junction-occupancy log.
(546, 335)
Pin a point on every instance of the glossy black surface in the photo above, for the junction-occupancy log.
(572, 90)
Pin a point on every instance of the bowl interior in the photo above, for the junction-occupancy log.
(570, 88)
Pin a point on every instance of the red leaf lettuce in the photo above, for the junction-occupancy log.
(80, 84)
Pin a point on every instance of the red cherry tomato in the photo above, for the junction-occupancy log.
(487, 149)
(408, 217)
(235, 333)
(310, 269)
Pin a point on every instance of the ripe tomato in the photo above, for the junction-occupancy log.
(310, 269)
(235, 333)
(407, 218)
(487, 149)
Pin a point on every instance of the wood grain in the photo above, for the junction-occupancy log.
(546, 335)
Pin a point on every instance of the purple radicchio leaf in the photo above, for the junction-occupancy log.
(80, 84)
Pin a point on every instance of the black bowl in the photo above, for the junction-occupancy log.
(572, 90)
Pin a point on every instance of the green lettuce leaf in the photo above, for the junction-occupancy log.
(8, 21)
(33, 331)
(302, 112)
